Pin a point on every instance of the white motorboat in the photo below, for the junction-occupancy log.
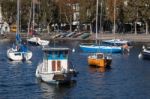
(55, 68)
(118, 42)
(37, 41)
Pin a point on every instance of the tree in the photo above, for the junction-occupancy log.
(137, 10)
(48, 12)
(9, 10)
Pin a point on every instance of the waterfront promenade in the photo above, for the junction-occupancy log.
(131, 37)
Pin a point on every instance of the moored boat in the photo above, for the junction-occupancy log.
(100, 48)
(118, 42)
(19, 51)
(99, 60)
(37, 41)
(55, 67)
(145, 53)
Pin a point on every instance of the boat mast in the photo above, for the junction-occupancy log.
(101, 16)
(114, 17)
(18, 11)
(33, 5)
(97, 19)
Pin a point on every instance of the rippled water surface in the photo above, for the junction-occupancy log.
(128, 78)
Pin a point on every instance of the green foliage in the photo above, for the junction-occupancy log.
(50, 11)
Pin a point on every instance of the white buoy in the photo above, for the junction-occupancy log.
(73, 50)
(140, 56)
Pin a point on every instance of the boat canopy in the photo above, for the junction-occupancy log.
(56, 53)
(55, 49)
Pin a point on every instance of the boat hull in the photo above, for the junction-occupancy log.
(37, 41)
(53, 78)
(117, 42)
(18, 56)
(103, 49)
(99, 62)
(146, 55)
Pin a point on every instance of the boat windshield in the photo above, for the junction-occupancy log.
(100, 56)
(57, 54)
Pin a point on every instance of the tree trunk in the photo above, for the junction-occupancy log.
(91, 28)
(146, 28)
(135, 31)
(70, 24)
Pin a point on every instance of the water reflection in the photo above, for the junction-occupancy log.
(99, 69)
(15, 63)
(51, 91)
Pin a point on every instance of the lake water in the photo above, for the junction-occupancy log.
(128, 78)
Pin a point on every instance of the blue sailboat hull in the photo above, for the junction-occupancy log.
(103, 49)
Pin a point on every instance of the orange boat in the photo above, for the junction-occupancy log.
(100, 60)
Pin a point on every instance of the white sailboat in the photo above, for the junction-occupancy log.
(55, 68)
(19, 51)
(36, 40)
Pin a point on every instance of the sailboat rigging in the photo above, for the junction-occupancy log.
(101, 48)
(98, 58)
(116, 42)
(35, 40)
(19, 51)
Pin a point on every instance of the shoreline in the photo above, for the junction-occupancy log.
(139, 38)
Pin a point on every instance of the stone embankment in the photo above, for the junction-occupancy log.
(131, 37)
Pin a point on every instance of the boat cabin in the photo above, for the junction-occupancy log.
(55, 60)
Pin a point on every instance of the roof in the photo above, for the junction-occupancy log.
(55, 49)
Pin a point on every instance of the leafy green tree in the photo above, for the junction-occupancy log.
(48, 12)
(137, 10)
(9, 10)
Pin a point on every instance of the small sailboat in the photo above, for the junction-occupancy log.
(55, 68)
(100, 59)
(19, 51)
(100, 48)
(145, 54)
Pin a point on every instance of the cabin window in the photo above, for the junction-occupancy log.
(65, 54)
(18, 54)
(53, 55)
(58, 65)
(53, 66)
(99, 56)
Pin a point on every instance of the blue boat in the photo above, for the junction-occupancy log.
(102, 49)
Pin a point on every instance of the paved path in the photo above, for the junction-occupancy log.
(132, 37)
